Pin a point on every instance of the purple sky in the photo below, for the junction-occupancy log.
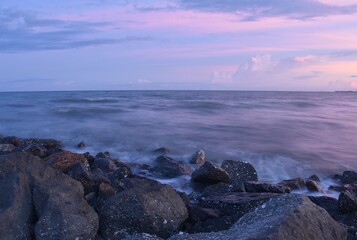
(184, 44)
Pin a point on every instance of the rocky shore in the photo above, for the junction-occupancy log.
(48, 192)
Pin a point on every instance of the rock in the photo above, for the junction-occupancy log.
(314, 178)
(265, 187)
(198, 158)
(89, 157)
(134, 182)
(81, 144)
(345, 187)
(210, 174)
(12, 140)
(161, 151)
(104, 163)
(349, 177)
(328, 203)
(240, 171)
(64, 160)
(294, 184)
(36, 150)
(38, 202)
(216, 189)
(6, 147)
(289, 216)
(237, 187)
(313, 186)
(143, 236)
(167, 167)
(156, 210)
(46, 143)
(105, 190)
(347, 201)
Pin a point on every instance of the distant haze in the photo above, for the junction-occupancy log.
(299, 45)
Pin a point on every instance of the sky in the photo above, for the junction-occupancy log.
(299, 45)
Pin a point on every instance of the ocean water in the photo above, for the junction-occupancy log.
(283, 134)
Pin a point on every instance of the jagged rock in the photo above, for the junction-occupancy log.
(294, 184)
(157, 210)
(6, 147)
(210, 174)
(38, 202)
(347, 201)
(64, 160)
(198, 158)
(313, 186)
(289, 216)
(240, 171)
(167, 167)
(265, 187)
(314, 178)
(349, 177)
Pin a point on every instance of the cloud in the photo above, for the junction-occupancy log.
(255, 9)
(25, 31)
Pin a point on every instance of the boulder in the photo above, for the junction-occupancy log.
(347, 201)
(293, 184)
(36, 150)
(349, 177)
(289, 216)
(105, 163)
(265, 187)
(166, 167)
(210, 174)
(312, 186)
(38, 202)
(216, 189)
(240, 171)
(198, 158)
(12, 140)
(46, 143)
(157, 210)
(64, 160)
(6, 147)
(328, 203)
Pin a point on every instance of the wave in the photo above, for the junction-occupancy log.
(86, 100)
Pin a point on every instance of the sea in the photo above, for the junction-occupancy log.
(282, 134)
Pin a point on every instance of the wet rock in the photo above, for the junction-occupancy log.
(198, 214)
(294, 184)
(38, 202)
(53, 151)
(12, 140)
(237, 187)
(120, 173)
(81, 144)
(210, 174)
(166, 167)
(36, 150)
(289, 216)
(313, 186)
(64, 160)
(89, 157)
(198, 158)
(314, 178)
(104, 163)
(349, 177)
(347, 201)
(6, 147)
(240, 171)
(46, 143)
(216, 189)
(161, 151)
(345, 187)
(156, 210)
(134, 182)
(265, 187)
(105, 190)
(328, 203)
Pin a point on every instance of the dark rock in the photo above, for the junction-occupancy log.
(46, 143)
(210, 174)
(213, 224)
(185, 198)
(143, 236)
(198, 213)
(64, 160)
(53, 151)
(265, 187)
(12, 140)
(337, 177)
(120, 173)
(198, 158)
(167, 167)
(345, 187)
(104, 163)
(103, 155)
(6, 147)
(347, 201)
(38, 202)
(156, 210)
(289, 216)
(240, 171)
(81, 144)
(89, 158)
(161, 151)
(36, 150)
(349, 177)
(313, 186)
(237, 187)
(105, 190)
(216, 189)
(314, 178)
(134, 182)
(328, 203)
(293, 184)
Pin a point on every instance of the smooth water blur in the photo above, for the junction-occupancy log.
(283, 134)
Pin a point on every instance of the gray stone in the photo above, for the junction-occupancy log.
(294, 184)
(167, 167)
(290, 216)
(313, 186)
(347, 201)
(349, 177)
(240, 171)
(198, 158)
(210, 174)
(265, 187)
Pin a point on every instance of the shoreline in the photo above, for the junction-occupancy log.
(223, 196)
